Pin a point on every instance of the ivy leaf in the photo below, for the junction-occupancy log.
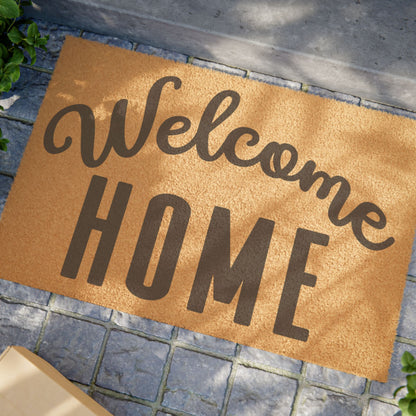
(3, 144)
(9, 9)
(15, 35)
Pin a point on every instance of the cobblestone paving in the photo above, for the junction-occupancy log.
(134, 366)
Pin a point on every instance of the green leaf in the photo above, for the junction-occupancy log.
(3, 51)
(5, 84)
(32, 53)
(3, 144)
(411, 382)
(404, 405)
(9, 9)
(13, 73)
(32, 30)
(15, 35)
(17, 57)
(408, 362)
(412, 408)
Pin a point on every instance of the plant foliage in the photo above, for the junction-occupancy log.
(408, 403)
(18, 39)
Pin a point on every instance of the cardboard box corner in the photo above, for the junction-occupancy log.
(31, 386)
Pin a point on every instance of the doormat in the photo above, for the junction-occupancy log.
(249, 212)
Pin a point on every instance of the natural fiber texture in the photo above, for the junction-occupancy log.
(259, 227)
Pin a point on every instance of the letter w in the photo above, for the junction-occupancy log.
(88, 221)
(247, 270)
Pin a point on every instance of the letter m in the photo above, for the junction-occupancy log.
(246, 272)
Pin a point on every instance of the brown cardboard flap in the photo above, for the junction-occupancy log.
(31, 386)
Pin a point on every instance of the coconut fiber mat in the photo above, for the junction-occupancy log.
(254, 213)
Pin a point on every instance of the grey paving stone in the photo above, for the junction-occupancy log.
(26, 95)
(18, 135)
(196, 383)
(396, 377)
(142, 324)
(319, 402)
(5, 186)
(256, 392)
(19, 325)
(388, 109)
(57, 35)
(119, 407)
(108, 40)
(83, 308)
(150, 50)
(322, 92)
(268, 79)
(412, 265)
(207, 342)
(407, 323)
(72, 346)
(377, 408)
(348, 382)
(21, 292)
(218, 67)
(132, 365)
(268, 358)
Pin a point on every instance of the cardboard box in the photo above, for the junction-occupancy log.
(29, 386)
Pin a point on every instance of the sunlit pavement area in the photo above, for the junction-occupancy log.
(134, 366)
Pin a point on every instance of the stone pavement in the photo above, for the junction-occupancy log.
(134, 366)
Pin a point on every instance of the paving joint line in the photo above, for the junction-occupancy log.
(121, 396)
(99, 361)
(18, 119)
(166, 370)
(37, 68)
(230, 380)
(269, 369)
(31, 304)
(365, 397)
(301, 384)
(44, 323)
(8, 174)
(407, 341)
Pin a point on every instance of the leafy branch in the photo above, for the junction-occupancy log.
(17, 36)
(408, 403)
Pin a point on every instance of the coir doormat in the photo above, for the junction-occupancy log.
(249, 212)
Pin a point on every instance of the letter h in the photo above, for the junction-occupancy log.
(88, 221)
